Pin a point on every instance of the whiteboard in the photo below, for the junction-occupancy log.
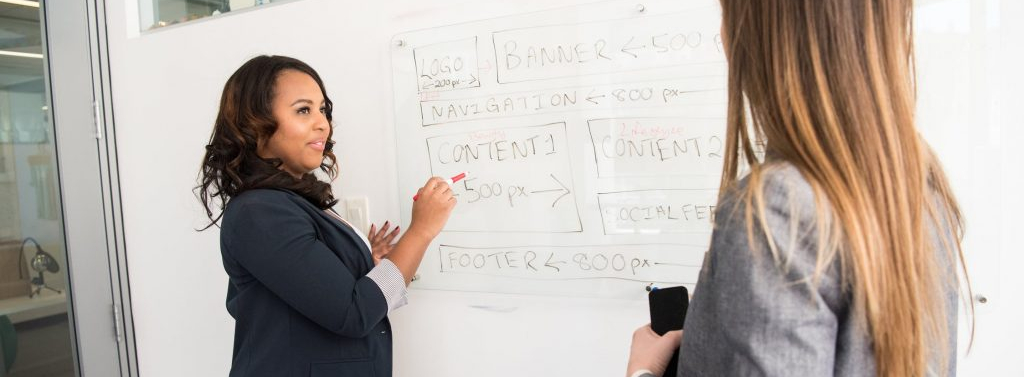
(968, 58)
(592, 137)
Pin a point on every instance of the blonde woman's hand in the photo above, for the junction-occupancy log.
(652, 352)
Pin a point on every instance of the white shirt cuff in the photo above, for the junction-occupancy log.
(391, 283)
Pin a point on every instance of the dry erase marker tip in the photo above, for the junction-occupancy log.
(457, 178)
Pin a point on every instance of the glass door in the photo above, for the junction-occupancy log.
(35, 330)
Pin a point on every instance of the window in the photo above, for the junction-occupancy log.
(155, 14)
(35, 332)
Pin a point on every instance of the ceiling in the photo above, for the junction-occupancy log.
(20, 32)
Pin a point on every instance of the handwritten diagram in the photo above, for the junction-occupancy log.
(593, 145)
(514, 175)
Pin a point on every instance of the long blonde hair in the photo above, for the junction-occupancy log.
(828, 85)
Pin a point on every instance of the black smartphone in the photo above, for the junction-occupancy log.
(668, 312)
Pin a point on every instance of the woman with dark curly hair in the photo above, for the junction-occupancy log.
(310, 294)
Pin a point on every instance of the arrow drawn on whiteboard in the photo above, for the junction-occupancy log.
(551, 264)
(488, 67)
(674, 264)
(629, 50)
(565, 191)
(591, 97)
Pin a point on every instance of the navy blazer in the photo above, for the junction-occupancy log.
(298, 291)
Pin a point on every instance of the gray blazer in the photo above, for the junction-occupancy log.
(749, 317)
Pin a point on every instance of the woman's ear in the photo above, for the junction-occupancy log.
(261, 143)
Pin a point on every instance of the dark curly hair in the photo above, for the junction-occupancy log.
(245, 119)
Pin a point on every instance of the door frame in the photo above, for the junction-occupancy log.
(77, 78)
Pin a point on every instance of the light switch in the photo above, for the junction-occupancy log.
(357, 212)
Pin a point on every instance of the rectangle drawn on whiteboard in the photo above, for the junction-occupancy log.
(643, 262)
(519, 179)
(697, 94)
(545, 52)
(657, 211)
(447, 66)
(626, 147)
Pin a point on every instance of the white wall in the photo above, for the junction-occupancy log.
(969, 94)
(166, 86)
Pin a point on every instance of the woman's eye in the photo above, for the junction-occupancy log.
(304, 110)
(323, 110)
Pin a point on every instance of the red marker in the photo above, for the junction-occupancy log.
(451, 181)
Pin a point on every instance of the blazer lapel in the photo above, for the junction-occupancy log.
(348, 232)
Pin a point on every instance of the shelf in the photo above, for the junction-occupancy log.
(23, 309)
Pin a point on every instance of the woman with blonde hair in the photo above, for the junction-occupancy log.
(837, 254)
